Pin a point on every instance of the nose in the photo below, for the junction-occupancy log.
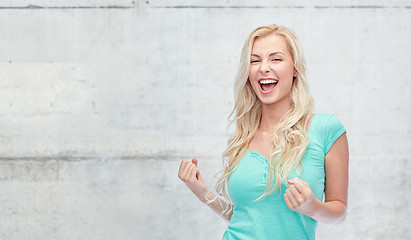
(265, 68)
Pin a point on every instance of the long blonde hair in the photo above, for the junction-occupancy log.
(290, 139)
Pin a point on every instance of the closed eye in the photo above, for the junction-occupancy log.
(254, 61)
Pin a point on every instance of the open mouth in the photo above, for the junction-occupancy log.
(267, 85)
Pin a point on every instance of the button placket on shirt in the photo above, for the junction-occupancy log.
(265, 173)
(263, 161)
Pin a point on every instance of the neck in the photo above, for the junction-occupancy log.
(272, 113)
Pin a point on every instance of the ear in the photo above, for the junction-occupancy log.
(294, 75)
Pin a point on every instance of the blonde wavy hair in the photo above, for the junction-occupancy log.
(289, 140)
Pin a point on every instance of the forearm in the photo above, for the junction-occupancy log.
(218, 205)
(331, 212)
(191, 176)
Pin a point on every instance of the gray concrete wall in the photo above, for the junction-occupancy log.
(100, 101)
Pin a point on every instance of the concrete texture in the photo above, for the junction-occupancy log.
(100, 101)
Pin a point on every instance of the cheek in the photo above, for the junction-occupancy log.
(252, 73)
(288, 75)
(291, 70)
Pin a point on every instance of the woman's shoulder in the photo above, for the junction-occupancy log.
(326, 120)
(327, 127)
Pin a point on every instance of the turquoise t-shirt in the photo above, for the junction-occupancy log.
(270, 218)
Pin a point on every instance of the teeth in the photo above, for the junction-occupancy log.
(267, 81)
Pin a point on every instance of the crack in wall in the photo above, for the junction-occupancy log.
(69, 7)
(34, 7)
(262, 7)
(88, 158)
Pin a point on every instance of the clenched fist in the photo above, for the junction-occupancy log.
(190, 175)
(300, 198)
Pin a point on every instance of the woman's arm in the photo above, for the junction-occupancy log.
(218, 205)
(300, 198)
(334, 208)
(190, 175)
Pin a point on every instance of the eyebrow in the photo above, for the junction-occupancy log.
(271, 54)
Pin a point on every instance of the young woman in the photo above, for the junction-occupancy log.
(285, 167)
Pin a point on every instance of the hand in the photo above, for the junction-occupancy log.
(300, 198)
(190, 175)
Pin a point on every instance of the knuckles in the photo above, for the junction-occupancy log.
(185, 177)
(302, 194)
(300, 201)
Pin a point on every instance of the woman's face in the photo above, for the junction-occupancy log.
(271, 69)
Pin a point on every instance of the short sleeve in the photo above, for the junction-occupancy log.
(333, 130)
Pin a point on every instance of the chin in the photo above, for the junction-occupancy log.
(266, 101)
